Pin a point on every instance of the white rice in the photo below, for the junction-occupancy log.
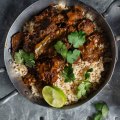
(20, 69)
(70, 88)
(34, 90)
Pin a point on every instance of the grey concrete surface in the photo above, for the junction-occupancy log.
(18, 108)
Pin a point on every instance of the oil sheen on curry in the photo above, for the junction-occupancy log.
(61, 54)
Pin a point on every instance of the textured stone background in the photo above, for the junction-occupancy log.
(18, 108)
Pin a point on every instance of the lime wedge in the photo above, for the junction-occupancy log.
(54, 96)
(60, 92)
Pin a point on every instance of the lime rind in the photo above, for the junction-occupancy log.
(54, 96)
(61, 92)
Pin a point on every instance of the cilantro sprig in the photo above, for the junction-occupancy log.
(22, 57)
(77, 38)
(68, 73)
(70, 56)
(61, 49)
(85, 86)
(87, 74)
(102, 111)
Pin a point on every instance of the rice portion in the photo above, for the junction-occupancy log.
(79, 70)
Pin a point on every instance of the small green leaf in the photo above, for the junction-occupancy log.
(105, 110)
(90, 70)
(87, 85)
(83, 88)
(98, 116)
(68, 73)
(22, 57)
(98, 106)
(73, 56)
(61, 49)
(79, 94)
(77, 39)
(102, 111)
(87, 75)
(18, 58)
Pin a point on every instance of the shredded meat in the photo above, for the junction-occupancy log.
(48, 12)
(29, 79)
(16, 41)
(71, 29)
(87, 26)
(75, 15)
(92, 51)
(48, 70)
(58, 65)
(50, 29)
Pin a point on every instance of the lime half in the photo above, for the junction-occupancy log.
(54, 96)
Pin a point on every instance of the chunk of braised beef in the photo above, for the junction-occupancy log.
(29, 79)
(16, 41)
(61, 24)
(50, 29)
(58, 65)
(71, 29)
(28, 44)
(94, 48)
(87, 26)
(75, 15)
(48, 12)
(48, 70)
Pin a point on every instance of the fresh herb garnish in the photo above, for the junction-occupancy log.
(73, 56)
(87, 74)
(102, 111)
(19, 57)
(70, 56)
(105, 110)
(68, 73)
(23, 57)
(97, 116)
(61, 49)
(83, 88)
(77, 39)
(98, 106)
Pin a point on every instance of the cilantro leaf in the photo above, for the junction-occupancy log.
(73, 56)
(105, 110)
(87, 74)
(98, 106)
(102, 111)
(29, 59)
(18, 57)
(88, 85)
(23, 57)
(90, 70)
(77, 39)
(98, 116)
(68, 73)
(83, 88)
(70, 56)
(61, 49)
